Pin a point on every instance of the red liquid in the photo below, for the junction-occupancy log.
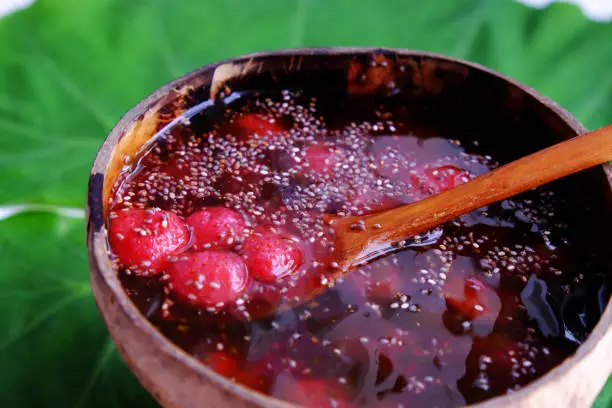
(466, 312)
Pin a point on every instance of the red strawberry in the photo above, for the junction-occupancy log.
(386, 283)
(502, 353)
(216, 227)
(222, 363)
(143, 239)
(471, 297)
(248, 125)
(438, 179)
(323, 159)
(208, 278)
(253, 380)
(311, 393)
(272, 255)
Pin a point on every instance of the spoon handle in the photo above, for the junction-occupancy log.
(518, 176)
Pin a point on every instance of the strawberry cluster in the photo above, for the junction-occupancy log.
(208, 257)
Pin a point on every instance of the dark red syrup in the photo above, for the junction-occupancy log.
(476, 308)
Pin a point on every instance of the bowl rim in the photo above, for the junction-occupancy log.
(96, 232)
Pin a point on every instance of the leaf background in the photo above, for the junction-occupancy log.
(70, 68)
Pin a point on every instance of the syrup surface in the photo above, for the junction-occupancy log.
(473, 309)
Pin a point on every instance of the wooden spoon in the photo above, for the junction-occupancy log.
(362, 238)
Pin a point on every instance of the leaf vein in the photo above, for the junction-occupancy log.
(47, 314)
(103, 358)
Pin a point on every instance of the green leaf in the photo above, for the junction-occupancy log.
(605, 398)
(53, 345)
(70, 68)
